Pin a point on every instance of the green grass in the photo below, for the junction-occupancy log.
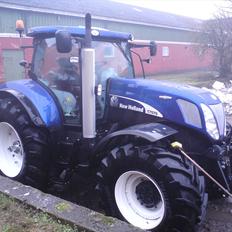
(17, 217)
(62, 207)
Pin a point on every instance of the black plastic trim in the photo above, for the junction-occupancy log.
(151, 132)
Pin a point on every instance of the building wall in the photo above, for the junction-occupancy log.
(8, 18)
(174, 57)
(152, 33)
(181, 57)
(170, 57)
(9, 43)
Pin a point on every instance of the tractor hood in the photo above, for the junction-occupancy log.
(181, 104)
(144, 89)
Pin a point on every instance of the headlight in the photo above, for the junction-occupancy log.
(210, 122)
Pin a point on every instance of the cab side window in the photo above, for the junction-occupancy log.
(61, 73)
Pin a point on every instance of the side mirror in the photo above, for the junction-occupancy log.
(24, 63)
(153, 48)
(63, 41)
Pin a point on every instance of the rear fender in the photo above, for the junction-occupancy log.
(26, 104)
(151, 132)
(36, 100)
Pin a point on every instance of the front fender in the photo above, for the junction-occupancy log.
(151, 132)
(39, 104)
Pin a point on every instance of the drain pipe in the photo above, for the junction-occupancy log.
(88, 84)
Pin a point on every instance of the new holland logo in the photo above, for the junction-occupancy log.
(114, 101)
(127, 103)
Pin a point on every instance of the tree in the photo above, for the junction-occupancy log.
(216, 34)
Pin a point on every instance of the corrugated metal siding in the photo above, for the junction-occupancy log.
(7, 66)
(40, 19)
(11, 67)
(110, 9)
(155, 33)
(8, 18)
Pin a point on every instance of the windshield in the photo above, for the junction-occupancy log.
(48, 62)
(112, 60)
(61, 71)
(112, 56)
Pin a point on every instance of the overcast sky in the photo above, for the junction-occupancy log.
(202, 9)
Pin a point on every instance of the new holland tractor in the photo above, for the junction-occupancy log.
(157, 149)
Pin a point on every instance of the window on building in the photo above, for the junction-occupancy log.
(165, 51)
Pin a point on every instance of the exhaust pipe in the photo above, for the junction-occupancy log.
(88, 84)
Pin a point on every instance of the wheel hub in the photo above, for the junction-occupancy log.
(11, 151)
(147, 195)
(15, 147)
(139, 199)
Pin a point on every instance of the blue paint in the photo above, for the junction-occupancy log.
(39, 97)
(162, 96)
(49, 31)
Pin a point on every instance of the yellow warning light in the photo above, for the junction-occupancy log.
(176, 145)
(20, 26)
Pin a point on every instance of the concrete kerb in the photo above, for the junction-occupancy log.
(71, 213)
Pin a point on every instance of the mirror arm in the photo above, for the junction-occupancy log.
(141, 62)
(32, 75)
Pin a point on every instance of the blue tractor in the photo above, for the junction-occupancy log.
(82, 110)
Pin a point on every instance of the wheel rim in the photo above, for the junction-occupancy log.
(139, 200)
(11, 151)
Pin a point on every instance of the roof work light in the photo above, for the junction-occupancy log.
(20, 26)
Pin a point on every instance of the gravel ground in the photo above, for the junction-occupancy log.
(219, 212)
(219, 216)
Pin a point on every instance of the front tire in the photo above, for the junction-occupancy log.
(23, 147)
(139, 199)
(152, 189)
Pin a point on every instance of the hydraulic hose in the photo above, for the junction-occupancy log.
(178, 146)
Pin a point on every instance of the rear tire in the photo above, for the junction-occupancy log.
(24, 149)
(152, 189)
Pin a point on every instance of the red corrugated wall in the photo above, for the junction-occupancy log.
(180, 57)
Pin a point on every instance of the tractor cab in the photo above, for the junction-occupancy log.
(57, 64)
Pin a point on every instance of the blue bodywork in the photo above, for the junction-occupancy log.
(39, 97)
(49, 31)
(160, 98)
(153, 98)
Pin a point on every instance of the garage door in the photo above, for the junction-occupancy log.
(11, 68)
